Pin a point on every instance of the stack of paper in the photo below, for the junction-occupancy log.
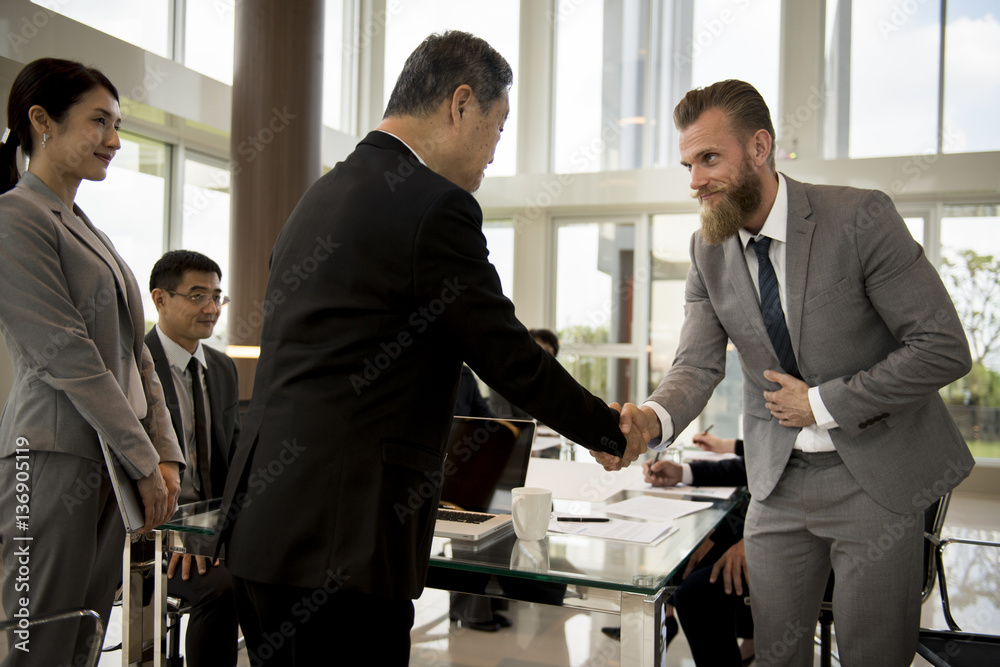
(655, 509)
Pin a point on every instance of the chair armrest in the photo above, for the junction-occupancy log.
(942, 582)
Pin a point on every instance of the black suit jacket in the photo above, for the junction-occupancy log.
(379, 288)
(223, 398)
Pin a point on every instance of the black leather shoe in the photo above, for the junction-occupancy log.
(615, 631)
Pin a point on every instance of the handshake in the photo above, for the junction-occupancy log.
(639, 426)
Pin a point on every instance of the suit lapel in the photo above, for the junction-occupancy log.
(799, 239)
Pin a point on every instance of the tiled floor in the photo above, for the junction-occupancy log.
(544, 636)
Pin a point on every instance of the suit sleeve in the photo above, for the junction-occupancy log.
(909, 296)
(52, 338)
(700, 362)
(157, 422)
(452, 268)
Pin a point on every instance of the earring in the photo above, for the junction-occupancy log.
(45, 138)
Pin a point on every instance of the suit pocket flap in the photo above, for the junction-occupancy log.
(829, 295)
(410, 455)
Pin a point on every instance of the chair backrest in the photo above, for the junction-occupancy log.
(62, 625)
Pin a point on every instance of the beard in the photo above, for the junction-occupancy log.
(738, 202)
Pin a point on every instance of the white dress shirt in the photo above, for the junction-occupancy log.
(179, 359)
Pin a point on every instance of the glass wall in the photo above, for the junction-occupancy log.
(146, 24)
(500, 241)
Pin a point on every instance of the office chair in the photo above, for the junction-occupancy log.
(65, 621)
(953, 647)
(934, 517)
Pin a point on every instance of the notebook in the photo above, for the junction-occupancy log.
(486, 459)
(126, 492)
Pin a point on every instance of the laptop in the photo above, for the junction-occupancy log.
(487, 458)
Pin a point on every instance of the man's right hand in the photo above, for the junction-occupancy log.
(639, 426)
(663, 473)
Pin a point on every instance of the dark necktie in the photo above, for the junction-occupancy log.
(202, 478)
(770, 307)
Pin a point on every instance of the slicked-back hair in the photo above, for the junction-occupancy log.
(168, 272)
(441, 64)
(53, 84)
(744, 107)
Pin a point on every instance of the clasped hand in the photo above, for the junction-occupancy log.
(638, 427)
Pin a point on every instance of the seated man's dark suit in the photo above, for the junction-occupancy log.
(712, 619)
(212, 629)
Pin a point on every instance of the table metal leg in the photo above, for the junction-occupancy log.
(643, 631)
(142, 626)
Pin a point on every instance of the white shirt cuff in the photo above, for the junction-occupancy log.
(687, 477)
(666, 427)
(824, 419)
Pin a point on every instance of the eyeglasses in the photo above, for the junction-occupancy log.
(202, 298)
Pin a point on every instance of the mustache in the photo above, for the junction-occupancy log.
(701, 192)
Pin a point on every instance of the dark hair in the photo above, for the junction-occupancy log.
(548, 338)
(441, 64)
(53, 84)
(169, 270)
(743, 105)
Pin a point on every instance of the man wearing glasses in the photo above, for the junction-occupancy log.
(202, 396)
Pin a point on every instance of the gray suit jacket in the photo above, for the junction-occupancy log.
(871, 325)
(70, 326)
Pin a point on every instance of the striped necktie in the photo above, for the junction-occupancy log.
(770, 307)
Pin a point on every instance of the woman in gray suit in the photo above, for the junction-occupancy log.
(71, 316)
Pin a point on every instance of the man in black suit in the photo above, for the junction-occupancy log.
(185, 287)
(380, 287)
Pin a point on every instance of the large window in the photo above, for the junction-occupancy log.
(912, 102)
(146, 24)
(205, 222)
(497, 21)
(595, 315)
(970, 265)
(129, 207)
(500, 241)
(622, 65)
(209, 30)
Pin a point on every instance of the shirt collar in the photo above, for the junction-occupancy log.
(415, 153)
(177, 355)
(776, 225)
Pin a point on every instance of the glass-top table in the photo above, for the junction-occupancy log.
(608, 576)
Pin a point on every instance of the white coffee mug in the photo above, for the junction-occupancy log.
(531, 508)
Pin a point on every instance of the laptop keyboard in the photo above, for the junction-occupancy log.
(463, 517)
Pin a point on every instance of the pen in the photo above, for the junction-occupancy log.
(584, 519)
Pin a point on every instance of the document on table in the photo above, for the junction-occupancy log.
(642, 532)
(578, 480)
(655, 509)
(684, 491)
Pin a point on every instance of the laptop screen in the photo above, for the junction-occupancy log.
(487, 458)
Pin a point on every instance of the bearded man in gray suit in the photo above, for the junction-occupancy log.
(845, 334)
